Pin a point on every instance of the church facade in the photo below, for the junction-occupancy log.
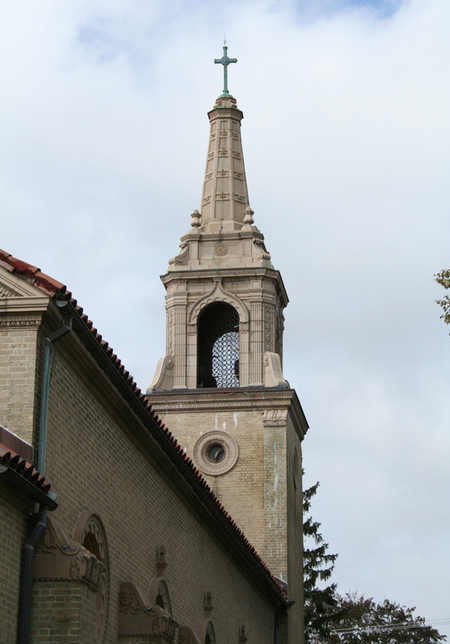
(178, 513)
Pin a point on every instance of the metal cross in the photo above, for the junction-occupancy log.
(225, 61)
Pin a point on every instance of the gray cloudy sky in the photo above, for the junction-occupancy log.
(346, 141)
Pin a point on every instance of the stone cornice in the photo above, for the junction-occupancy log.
(29, 304)
(262, 399)
(238, 272)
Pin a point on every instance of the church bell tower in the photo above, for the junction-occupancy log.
(220, 387)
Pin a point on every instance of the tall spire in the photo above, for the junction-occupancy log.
(223, 232)
(225, 194)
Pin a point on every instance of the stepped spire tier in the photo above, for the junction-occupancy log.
(223, 233)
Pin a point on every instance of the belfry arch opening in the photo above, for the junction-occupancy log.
(218, 346)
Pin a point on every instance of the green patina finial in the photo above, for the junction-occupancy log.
(225, 61)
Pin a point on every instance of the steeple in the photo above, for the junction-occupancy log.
(223, 233)
(220, 387)
(223, 261)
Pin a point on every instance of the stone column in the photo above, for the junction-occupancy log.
(256, 343)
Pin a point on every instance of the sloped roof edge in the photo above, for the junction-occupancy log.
(122, 379)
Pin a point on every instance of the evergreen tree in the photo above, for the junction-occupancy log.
(320, 603)
(366, 622)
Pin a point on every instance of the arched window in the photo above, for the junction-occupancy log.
(218, 347)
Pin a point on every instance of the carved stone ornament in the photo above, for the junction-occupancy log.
(259, 251)
(163, 378)
(219, 294)
(138, 617)
(220, 250)
(206, 632)
(267, 329)
(158, 592)
(5, 291)
(196, 219)
(58, 557)
(183, 255)
(90, 531)
(275, 418)
(22, 322)
(207, 604)
(216, 452)
(170, 333)
(273, 374)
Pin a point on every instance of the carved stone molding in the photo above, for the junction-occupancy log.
(90, 531)
(275, 418)
(273, 374)
(206, 629)
(220, 250)
(241, 399)
(183, 255)
(158, 592)
(20, 323)
(259, 250)
(206, 632)
(268, 331)
(163, 378)
(58, 557)
(6, 291)
(170, 332)
(219, 294)
(137, 617)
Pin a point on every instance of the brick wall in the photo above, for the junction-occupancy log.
(18, 346)
(13, 529)
(100, 458)
(259, 492)
(62, 612)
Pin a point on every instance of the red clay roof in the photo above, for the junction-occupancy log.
(57, 290)
(26, 469)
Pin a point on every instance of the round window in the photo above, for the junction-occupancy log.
(215, 452)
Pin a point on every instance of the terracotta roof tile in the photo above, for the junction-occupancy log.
(23, 467)
(32, 273)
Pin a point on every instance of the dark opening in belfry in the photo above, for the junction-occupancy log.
(218, 347)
